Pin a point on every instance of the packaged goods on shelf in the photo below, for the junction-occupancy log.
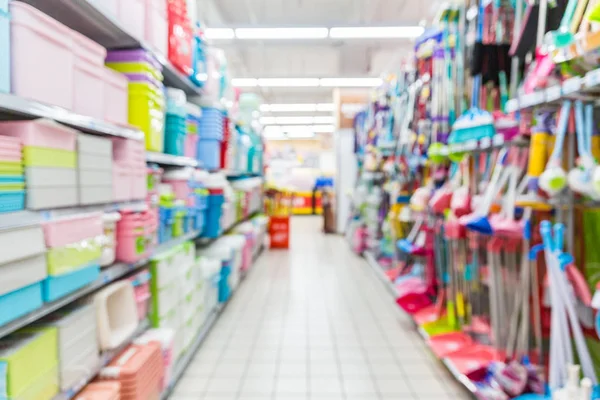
(211, 135)
(12, 175)
(180, 36)
(156, 26)
(193, 115)
(109, 242)
(95, 174)
(100, 391)
(165, 337)
(129, 170)
(141, 287)
(175, 122)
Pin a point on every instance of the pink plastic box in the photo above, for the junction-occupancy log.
(157, 26)
(141, 288)
(132, 16)
(73, 229)
(121, 183)
(11, 144)
(127, 152)
(88, 77)
(136, 235)
(42, 56)
(41, 133)
(116, 101)
(139, 184)
(191, 143)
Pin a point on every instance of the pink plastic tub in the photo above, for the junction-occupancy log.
(88, 77)
(191, 143)
(129, 152)
(141, 288)
(42, 56)
(10, 156)
(181, 188)
(157, 27)
(139, 184)
(11, 144)
(131, 15)
(121, 183)
(73, 229)
(116, 100)
(41, 133)
(136, 235)
(100, 391)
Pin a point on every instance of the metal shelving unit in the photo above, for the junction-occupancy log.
(169, 160)
(15, 107)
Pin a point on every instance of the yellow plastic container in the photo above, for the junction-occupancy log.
(64, 260)
(47, 157)
(146, 111)
(29, 356)
(538, 154)
(136, 68)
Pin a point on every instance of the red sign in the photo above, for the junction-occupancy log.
(279, 231)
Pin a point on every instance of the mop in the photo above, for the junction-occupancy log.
(580, 177)
(554, 179)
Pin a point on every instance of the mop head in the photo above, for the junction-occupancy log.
(475, 124)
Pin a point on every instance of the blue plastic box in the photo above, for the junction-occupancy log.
(56, 287)
(16, 304)
(209, 154)
(224, 288)
(4, 47)
(212, 223)
(12, 201)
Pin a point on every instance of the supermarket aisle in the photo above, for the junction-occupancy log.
(314, 323)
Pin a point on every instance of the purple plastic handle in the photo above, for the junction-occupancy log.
(138, 55)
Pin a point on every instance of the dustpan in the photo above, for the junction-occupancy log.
(445, 344)
(413, 295)
(473, 358)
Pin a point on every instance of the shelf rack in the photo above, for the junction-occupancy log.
(169, 160)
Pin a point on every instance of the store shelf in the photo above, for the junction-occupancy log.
(15, 107)
(105, 359)
(240, 174)
(169, 160)
(88, 19)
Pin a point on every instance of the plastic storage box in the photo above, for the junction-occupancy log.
(22, 273)
(131, 14)
(36, 40)
(88, 77)
(5, 47)
(31, 356)
(136, 235)
(116, 314)
(100, 391)
(212, 226)
(95, 170)
(139, 370)
(141, 288)
(20, 243)
(22, 301)
(41, 133)
(73, 229)
(156, 25)
(165, 337)
(109, 246)
(56, 287)
(116, 100)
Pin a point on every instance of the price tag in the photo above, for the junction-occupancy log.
(485, 143)
(512, 106)
(553, 93)
(592, 78)
(572, 85)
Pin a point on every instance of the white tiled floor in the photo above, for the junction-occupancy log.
(313, 323)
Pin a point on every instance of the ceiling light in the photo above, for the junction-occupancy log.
(281, 33)
(301, 135)
(219, 33)
(244, 82)
(297, 120)
(351, 82)
(376, 32)
(288, 82)
(325, 107)
(268, 121)
(323, 120)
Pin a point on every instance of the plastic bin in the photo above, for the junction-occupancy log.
(146, 111)
(135, 235)
(22, 273)
(38, 40)
(121, 183)
(100, 391)
(72, 229)
(88, 77)
(116, 314)
(15, 304)
(70, 258)
(51, 197)
(12, 201)
(141, 288)
(212, 227)
(4, 49)
(109, 245)
(116, 95)
(20, 243)
(165, 337)
(55, 287)
(209, 155)
(40, 133)
(156, 26)
(50, 177)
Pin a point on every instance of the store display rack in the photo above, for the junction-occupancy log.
(379, 272)
(90, 20)
(170, 160)
(105, 359)
(15, 107)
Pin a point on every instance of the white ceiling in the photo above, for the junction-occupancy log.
(328, 58)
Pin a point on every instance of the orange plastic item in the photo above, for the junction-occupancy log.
(139, 370)
(279, 231)
(100, 391)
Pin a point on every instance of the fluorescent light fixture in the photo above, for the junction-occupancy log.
(297, 120)
(323, 128)
(281, 33)
(268, 121)
(376, 32)
(323, 107)
(351, 82)
(323, 120)
(219, 33)
(288, 82)
(244, 82)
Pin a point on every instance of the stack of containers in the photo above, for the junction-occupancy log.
(29, 360)
(243, 146)
(166, 285)
(215, 184)
(88, 76)
(198, 208)
(199, 74)
(261, 224)
(74, 250)
(211, 135)
(236, 243)
(130, 181)
(181, 36)
(136, 235)
(23, 268)
(155, 174)
(166, 209)
(176, 125)
(109, 242)
(146, 97)
(221, 250)
(78, 350)
(141, 290)
(50, 158)
(165, 337)
(211, 274)
(225, 144)
(12, 175)
(4, 47)
(192, 301)
(193, 120)
(95, 172)
(255, 154)
(139, 370)
(100, 391)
